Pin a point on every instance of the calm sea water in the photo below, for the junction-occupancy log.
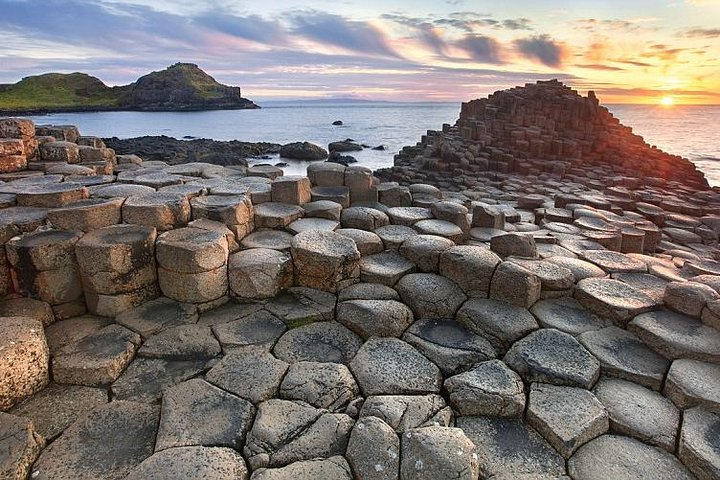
(690, 131)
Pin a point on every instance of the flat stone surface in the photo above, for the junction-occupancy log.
(250, 374)
(261, 329)
(259, 273)
(614, 262)
(691, 383)
(403, 412)
(624, 458)
(699, 443)
(367, 291)
(393, 236)
(567, 315)
(408, 216)
(623, 355)
(470, 267)
(426, 454)
(325, 260)
(286, 432)
(56, 407)
(323, 385)
(228, 312)
(333, 468)
(185, 342)
(305, 224)
(385, 268)
(392, 367)
(19, 446)
(440, 228)
(367, 243)
(551, 356)
(612, 299)
(488, 389)
(318, 342)
(276, 215)
(127, 433)
(363, 218)
(272, 239)
(146, 378)
(501, 323)
(567, 417)
(509, 448)
(157, 315)
(97, 359)
(382, 318)
(430, 296)
(581, 269)
(300, 306)
(374, 450)
(674, 335)
(191, 250)
(191, 462)
(639, 412)
(425, 250)
(449, 345)
(197, 413)
(688, 297)
(650, 285)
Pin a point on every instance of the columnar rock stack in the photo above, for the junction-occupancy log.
(17, 144)
(544, 127)
(335, 326)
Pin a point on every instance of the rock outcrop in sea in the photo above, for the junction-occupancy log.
(198, 320)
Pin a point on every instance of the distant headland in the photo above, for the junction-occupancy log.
(180, 87)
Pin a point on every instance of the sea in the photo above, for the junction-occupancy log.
(690, 131)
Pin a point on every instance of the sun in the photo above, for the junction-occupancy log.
(667, 101)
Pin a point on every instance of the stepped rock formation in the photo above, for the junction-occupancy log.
(541, 127)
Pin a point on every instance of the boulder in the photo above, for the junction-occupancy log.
(303, 151)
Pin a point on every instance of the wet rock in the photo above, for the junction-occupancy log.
(303, 151)
(489, 389)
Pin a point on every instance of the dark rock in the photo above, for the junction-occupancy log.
(303, 151)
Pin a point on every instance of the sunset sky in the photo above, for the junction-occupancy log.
(627, 51)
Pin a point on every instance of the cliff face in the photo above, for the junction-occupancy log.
(180, 87)
(183, 86)
(544, 127)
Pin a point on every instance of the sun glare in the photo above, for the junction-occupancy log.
(667, 101)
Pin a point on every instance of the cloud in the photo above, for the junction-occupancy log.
(703, 32)
(252, 27)
(541, 48)
(339, 31)
(517, 24)
(597, 66)
(481, 48)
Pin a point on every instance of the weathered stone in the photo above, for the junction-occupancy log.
(325, 260)
(373, 450)
(182, 342)
(501, 323)
(579, 268)
(689, 298)
(146, 378)
(325, 209)
(516, 244)
(114, 304)
(127, 433)
(440, 228)
(268, 171)
(567, 315)
(360, 182)
(368, 318)
(249, 374)
(367, 291)
(639, 412)
(191, 462)
(487, 216)
(25, 219)
(97, 359)
(286, 432)
(692, 383)
(227, 209)
(614, 262)
(515, 285)
(60, 151)
(291, 189)
(552, 277)
(20, 445)
(470, 267)
(612, 299)
(305, 224)
(161, 210)
(363, 218)
(430, 296)
(271, 239)
(326, 174)
(191, 250)
(404, 412)
(489, 389)
(198, 288)
(87, 215)
(157, 315)
(367, 243)
(567, 417)
(394, 195)
(318, 342)
(120, 190)
(392, 367)
(259, 273)
(24, 359)
(56, 407)
(425, 251)
(408, 216)
(385, 268)
(677, 336)
(699, 439)
(323, 385)
(393, 236)
(447, 344)
(197, 413)
(508, 448)
(300, 305)
(426, 454)
(333, 468)
(612, 456)
(551, 356)
(339, 195)
(261, 329)
(623, 355)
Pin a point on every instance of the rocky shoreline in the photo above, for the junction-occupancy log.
(537, 306)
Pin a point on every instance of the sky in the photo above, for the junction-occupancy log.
(422, 50)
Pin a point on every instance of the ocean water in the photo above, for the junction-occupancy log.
(690, 131)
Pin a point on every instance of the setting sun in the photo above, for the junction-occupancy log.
(667, 101)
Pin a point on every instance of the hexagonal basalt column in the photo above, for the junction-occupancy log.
(325, 260)
(235, 211)
(292, 189)
(117, 265)
(163, 211)
(24, 360)
(44, 267)
(259, 273)
(193, 265)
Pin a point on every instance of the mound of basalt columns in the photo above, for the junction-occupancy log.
(516, 322)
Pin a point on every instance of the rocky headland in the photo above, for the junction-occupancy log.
(523, 300)
(180, 87)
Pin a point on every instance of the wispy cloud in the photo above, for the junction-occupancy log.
(703, 32)
(543, 49)
(482, 49)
